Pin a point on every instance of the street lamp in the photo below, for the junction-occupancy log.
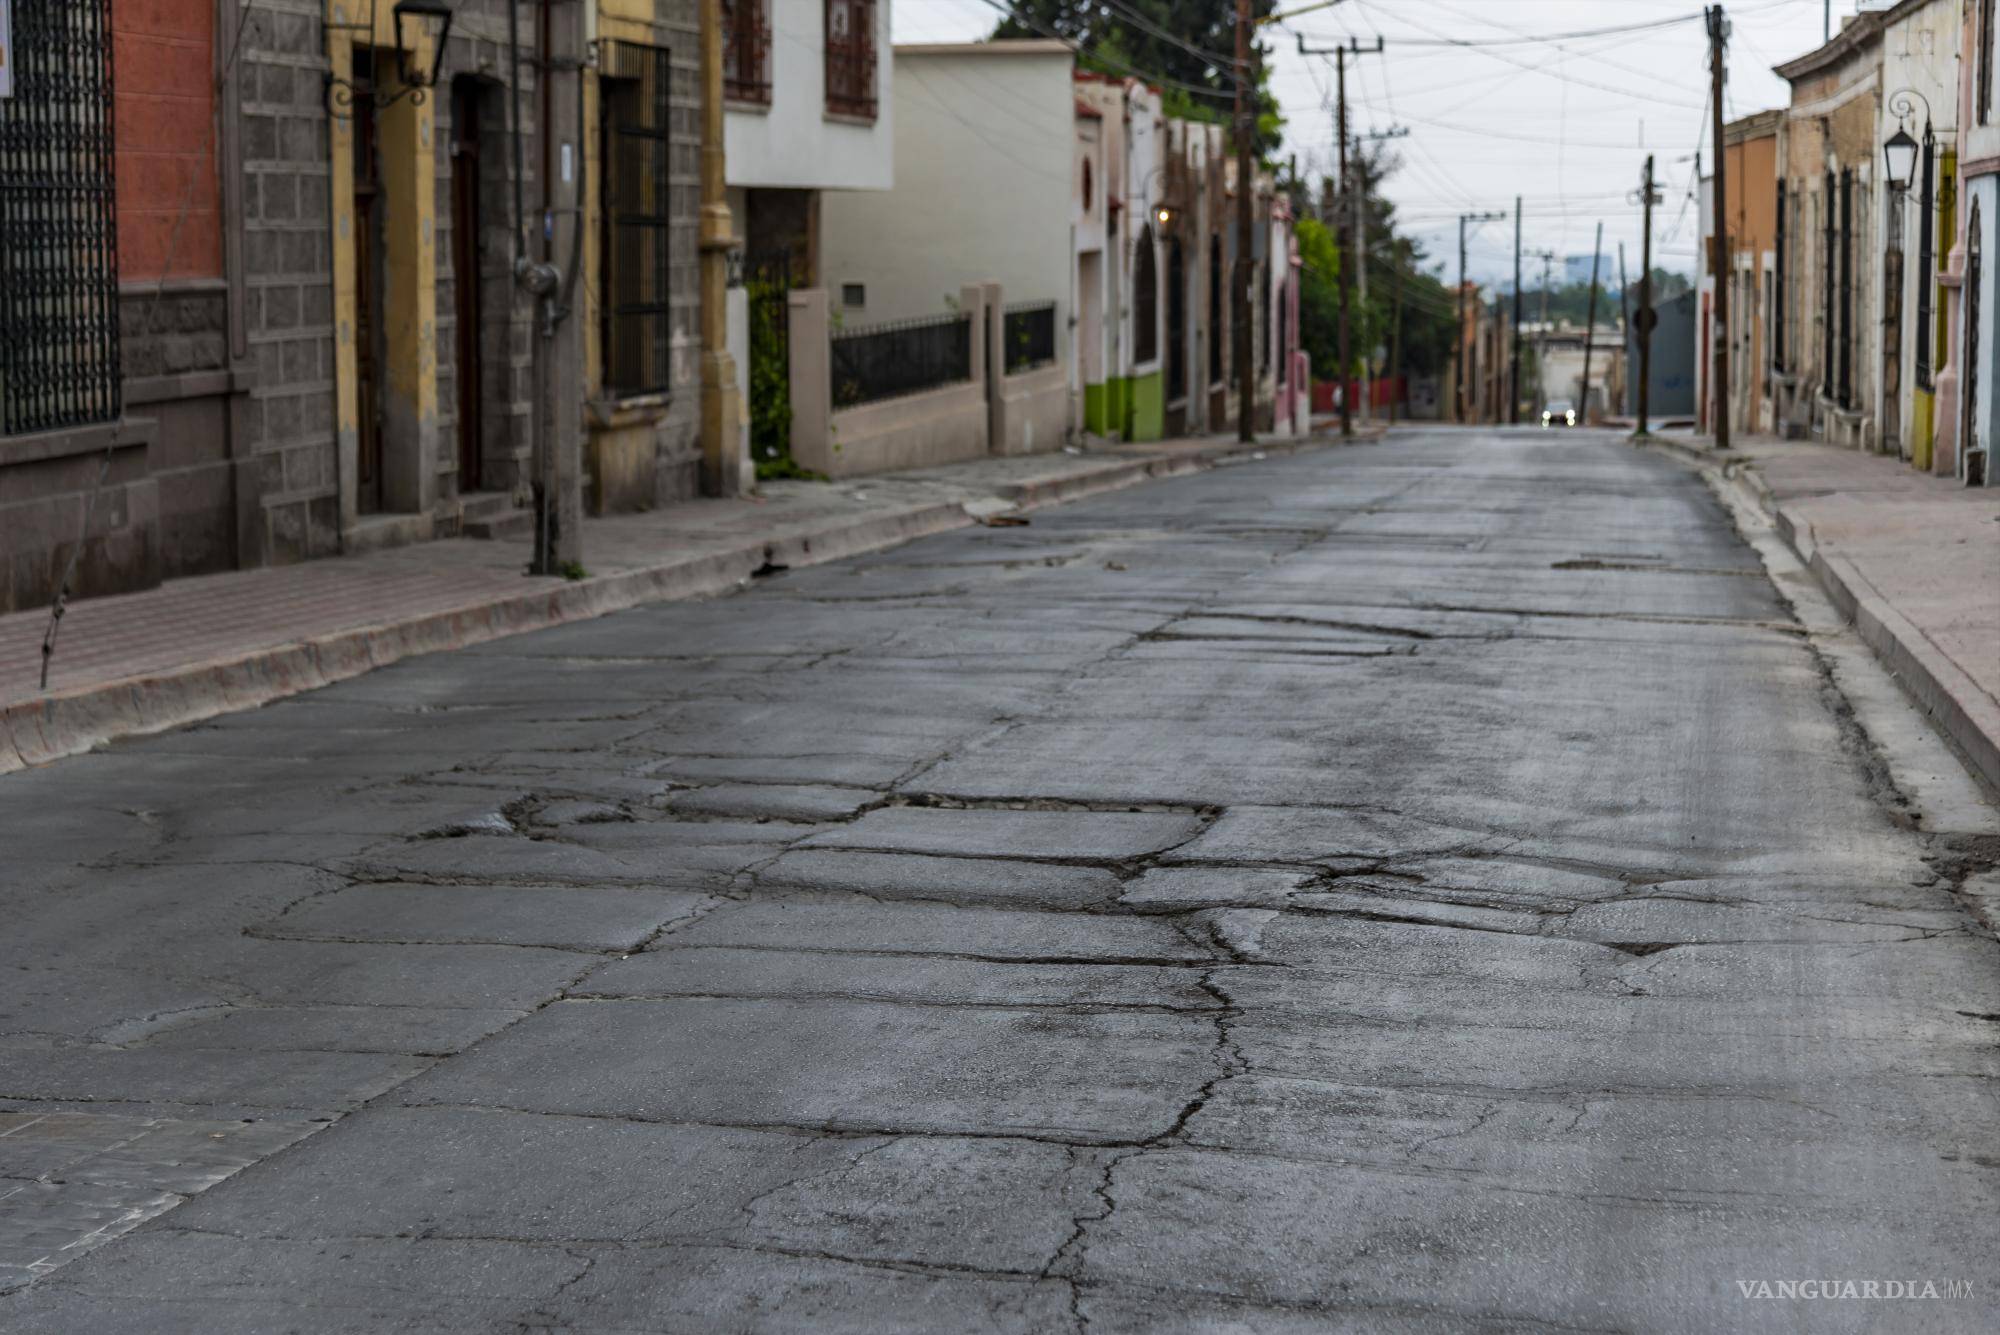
(422, 14)
(1901, 152)
(411, 19)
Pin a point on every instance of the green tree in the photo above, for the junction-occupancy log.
(1184, 47)
(1319, 295)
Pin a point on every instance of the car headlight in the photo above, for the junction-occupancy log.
(1545, 419)
(1570, 418)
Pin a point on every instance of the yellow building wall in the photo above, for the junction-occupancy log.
(408, 171)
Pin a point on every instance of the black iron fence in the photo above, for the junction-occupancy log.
(1029, 335)
(767, 275)
(58, 227)
(886, 361)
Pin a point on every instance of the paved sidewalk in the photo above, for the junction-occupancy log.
(193, 648)
(1913, 559)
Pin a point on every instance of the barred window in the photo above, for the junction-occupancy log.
(59, 361)
(746, 51)
(1983, 98)
(850, 57)
(1145, 301)
(637, 329)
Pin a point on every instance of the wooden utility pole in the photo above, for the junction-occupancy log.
(1646, 318)
(1548, 259)
(1351, 254)
(1468, 361)
(1347, 259)
(1398, 380)
(723, 467)
(1590, 331)
(1246, 195)
(1624, 325)
(1718, 36)
(1514, 341)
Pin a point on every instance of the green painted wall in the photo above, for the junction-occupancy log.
(1146, 409)
(1131, 408)
(1104, 406)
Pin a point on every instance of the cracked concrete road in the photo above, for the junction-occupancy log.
(1438, 885)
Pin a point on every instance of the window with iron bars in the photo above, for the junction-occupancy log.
(746, 51)
(850, 57)
(1029, 333)
(637, 330)
(59, 358)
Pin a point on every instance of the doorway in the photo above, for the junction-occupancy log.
(1090, 318)
(1972, 441)
(366, 209)
(467, 279)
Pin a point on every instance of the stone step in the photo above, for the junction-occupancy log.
(493, 514)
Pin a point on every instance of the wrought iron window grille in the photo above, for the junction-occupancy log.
(746, 51)
(1029, 335)
(59, 336)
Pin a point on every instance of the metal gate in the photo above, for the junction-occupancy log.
(58, 223)
(767, 276)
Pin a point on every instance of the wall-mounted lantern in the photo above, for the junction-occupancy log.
(1901, 153)
(413, 20)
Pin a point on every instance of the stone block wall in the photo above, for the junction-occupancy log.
(288, 278)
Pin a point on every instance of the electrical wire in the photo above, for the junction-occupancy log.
(1132, 71)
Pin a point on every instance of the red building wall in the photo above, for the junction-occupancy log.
(164, 72)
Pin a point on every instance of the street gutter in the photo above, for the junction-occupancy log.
(1953, 701)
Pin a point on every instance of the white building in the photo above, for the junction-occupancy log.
(1920, 99)
(982, 187)
(806, 86)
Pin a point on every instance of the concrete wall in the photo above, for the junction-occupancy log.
(973, 190)
(796, 141)
(1028, 411)
(938, 426)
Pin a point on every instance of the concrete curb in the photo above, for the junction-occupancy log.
(66, 723)
(1955, 703)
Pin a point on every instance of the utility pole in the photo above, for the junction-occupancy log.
(1624, 323)
(556, 369)
(1346, 260)
(1718, 35)
(1646, 319)
(1464, 363)
(1514, 341)
(1246, 193)
(1468, 360)
(1352, 257)
(722, 463)
(1548, 259)
(1361, 251)
(1400, 383)
(1590, 331)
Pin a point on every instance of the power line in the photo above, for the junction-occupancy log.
(1120, 66)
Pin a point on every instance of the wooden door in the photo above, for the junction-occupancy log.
(367, 289)
(465, 275)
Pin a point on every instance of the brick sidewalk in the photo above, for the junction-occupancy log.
(1913, 559)
(196, 647)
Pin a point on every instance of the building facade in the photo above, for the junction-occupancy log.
(1965, 396)
(1829, 166)
(809, 91)
(1751, 273)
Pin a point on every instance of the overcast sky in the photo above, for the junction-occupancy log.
(1566, 124)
